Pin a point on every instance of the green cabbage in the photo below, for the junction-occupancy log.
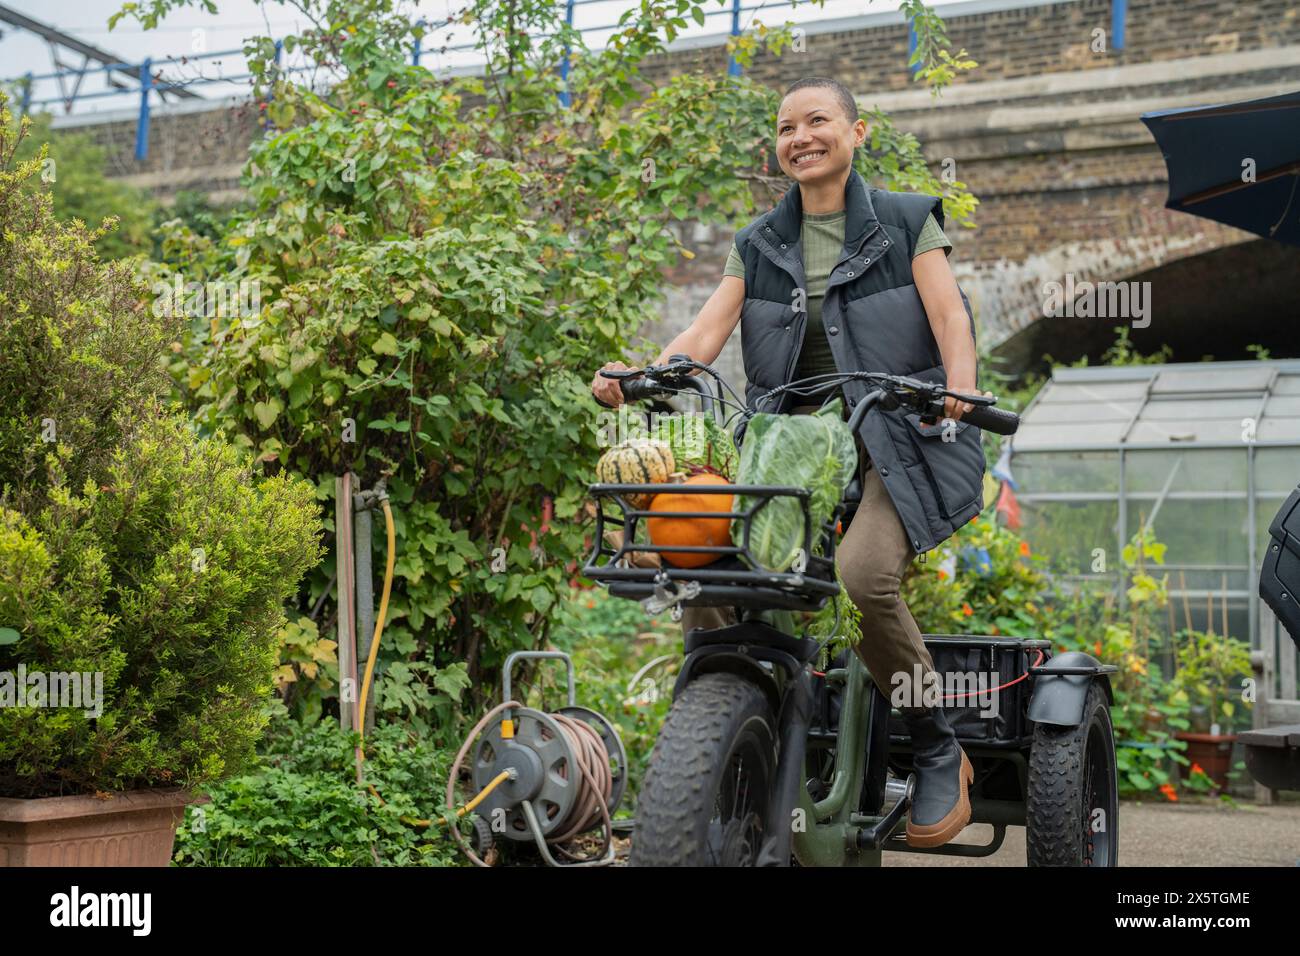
(817, 452)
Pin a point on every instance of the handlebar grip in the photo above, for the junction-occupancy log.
(637, 390)
(997, 420)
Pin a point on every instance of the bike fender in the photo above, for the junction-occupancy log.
(710, 660)
(1058, 698)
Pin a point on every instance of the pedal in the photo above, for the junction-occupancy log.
(876, 836)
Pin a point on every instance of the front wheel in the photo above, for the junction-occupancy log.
(707, 790)
(1072, 809)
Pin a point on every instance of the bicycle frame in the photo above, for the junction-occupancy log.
(830, 827)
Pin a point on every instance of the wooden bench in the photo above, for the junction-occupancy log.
(1273, 756)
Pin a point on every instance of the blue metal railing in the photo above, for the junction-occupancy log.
(149, 83)
(1118, 18)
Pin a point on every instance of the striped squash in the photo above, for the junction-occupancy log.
(641, 461)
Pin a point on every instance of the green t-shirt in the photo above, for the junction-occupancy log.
(822, 236)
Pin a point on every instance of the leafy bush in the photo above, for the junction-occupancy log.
(72, 174)
(130, 549)
(75, 343)
(169, 580)
(303, 807)
(1211, 669)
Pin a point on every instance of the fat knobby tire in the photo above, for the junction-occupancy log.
(695, 744)
(1054, 806)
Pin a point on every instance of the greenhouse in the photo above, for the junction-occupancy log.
(1203, 454)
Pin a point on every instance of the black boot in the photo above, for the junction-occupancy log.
(940, 803)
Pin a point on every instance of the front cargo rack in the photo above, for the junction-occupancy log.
(734, 577)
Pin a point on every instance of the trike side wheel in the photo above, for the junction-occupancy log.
(1072, 810)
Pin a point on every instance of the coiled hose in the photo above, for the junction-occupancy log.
(594, 791)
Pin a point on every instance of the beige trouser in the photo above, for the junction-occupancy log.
(872, 558)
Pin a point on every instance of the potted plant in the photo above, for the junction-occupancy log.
(1209, 672)
(142, 568)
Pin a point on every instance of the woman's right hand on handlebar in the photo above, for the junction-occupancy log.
(608, 390)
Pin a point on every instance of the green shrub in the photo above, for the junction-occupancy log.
(303, 807)
(72, 175)
(131, 549)
(78, 339)
(169, 580)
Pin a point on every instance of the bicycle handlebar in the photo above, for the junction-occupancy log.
(996, 420)
(657, 381)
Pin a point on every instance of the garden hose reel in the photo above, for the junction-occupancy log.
(567, 770)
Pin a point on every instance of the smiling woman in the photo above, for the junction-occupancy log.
(843, 277)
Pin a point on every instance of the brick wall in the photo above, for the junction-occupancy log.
(1023, 41)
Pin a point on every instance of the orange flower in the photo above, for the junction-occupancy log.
(942, 574)
(967, 609)
(1097, 647)
(1196, 767)
(1024, 548)
(591, 604)
(1170, 793)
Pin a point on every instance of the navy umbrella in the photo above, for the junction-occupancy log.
(1238, 164)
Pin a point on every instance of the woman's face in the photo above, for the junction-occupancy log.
(814, 139)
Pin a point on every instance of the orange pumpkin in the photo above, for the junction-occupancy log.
(691, 532)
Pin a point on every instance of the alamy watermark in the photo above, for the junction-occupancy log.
(1098, 300)
(215, 298)
(950, 689)
(613, 428)
(74, 689)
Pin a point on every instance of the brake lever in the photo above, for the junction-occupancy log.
(934, 410)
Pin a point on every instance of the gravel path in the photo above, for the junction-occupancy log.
(1164, 834)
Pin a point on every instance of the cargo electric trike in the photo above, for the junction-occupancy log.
(771, 754)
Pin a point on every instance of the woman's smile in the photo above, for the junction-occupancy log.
(808, 157)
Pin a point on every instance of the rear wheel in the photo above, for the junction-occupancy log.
(706, 793)
(1072, 809)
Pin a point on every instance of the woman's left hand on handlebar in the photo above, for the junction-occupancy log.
(954, 409)
(608, 390)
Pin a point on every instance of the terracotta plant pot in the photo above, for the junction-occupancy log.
(1212, 751)
(133, 828)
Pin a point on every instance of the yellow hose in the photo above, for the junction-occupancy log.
(482, 795)
(379, 621)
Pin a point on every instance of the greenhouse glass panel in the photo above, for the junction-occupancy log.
(1286, 385)
(1186, 409)
(1087, 471)
(1277, 471)
(1283, 406)
(1200, 379)
(1208, 533)
(1069, 533)
(1275, 429)
(1266, 506)
(1203, 470)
